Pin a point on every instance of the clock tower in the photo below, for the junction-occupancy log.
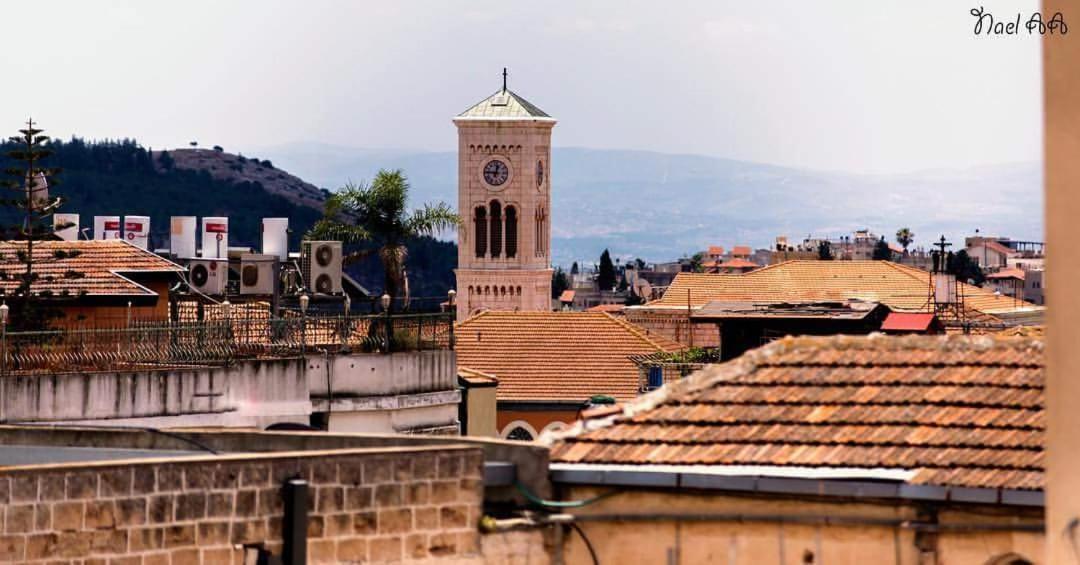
(504, 199)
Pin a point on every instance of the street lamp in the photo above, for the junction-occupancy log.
(385, 301)
(304, 300)
(451, 296)
(226, 309)
(347, 328)
(4, 309)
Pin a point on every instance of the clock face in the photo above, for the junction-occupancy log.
(539, 174)
(496, 172)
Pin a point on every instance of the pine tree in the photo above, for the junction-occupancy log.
(605, 280)
(559, 282)
(30, 183)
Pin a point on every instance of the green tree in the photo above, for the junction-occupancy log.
(697, 262)
(882, 251)
(640, 263)
(904, 236)
(605, 279)
(30, 182)
(574, 269)
(965, 268)
(559, 282)
(376, 215)
(824, 251)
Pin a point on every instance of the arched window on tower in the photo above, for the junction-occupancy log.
(496, 228)
(480, 229)
(511, 231)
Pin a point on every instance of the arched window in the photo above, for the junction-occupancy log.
(480, 227)
(496, 228)
(520, 434)
(511, 231)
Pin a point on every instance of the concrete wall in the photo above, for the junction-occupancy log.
(397, 392)
(378, 506)
(250, 393)
(372, 393)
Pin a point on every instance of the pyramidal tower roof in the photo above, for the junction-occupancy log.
(504, 104)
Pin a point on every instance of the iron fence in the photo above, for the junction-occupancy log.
(219, 341)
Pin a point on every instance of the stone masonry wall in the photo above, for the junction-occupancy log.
(366, 505)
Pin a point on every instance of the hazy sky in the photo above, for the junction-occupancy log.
(855, 86)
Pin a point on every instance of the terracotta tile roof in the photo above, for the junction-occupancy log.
(100, 266)
(741, 250)
(609, 308)
(556, 356)
(955, 411)
(995, 246)
(715, 250)
(738, 264)
(476, 378)
(1010, 273)
(567, 296)
(897, 286)
(907, 321)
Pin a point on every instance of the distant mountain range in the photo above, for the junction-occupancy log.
(659, 206)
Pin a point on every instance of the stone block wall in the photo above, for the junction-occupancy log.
(370, 505)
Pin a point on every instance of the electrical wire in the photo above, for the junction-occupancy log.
(588, 544)
(148, 429)
(560, 503)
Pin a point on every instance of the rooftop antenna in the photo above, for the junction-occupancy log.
(504, 79)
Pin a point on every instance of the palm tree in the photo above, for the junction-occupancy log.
(904, 236)
(376, 214)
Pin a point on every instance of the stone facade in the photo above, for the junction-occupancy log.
(504, 243)
(366, 505)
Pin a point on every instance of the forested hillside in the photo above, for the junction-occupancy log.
(124, 178)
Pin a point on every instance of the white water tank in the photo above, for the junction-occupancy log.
(70, 233)
(275, 237)
(137, 231)
(215, 238)
(106, 227)
(182, 236)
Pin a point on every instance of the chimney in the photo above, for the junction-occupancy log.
(182, 236)
(215, 238)
(275, 237)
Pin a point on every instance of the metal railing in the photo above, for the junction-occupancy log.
(146, 345)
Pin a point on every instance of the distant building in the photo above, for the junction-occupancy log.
(1034, 286)
(899, 287)
(840, 449)
(504, 197)
(94, 284)
(988, 253)
(550, 364)
(1007, 282)
(743, 326)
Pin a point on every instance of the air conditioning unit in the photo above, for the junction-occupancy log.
(320, 262)
(208, 276)
(257, 273)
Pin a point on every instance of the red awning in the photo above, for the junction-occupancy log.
(908, 322)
